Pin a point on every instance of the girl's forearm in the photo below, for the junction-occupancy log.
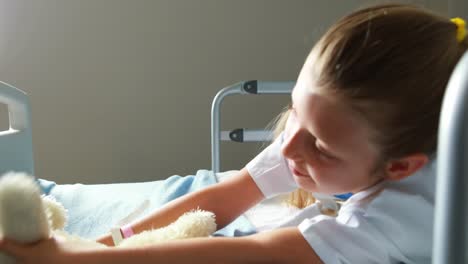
(199, 250)
(227, 200)
(285, 245)
(166, 215)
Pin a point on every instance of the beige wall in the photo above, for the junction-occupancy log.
(121, 89)
(458, 8)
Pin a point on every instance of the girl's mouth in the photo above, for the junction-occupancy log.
(297, 173)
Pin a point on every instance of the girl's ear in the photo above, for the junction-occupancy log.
(401, 168)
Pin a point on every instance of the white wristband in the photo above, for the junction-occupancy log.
(270, 170)
(116, 232)
(116, 235)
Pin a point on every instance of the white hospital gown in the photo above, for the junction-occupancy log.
(388, 223)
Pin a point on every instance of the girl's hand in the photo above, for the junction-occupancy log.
(45, 251)
(106, 240)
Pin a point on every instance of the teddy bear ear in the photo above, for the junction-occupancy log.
(56, 213)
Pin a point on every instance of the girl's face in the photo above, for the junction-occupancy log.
(325, 143)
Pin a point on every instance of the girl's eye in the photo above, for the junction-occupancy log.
(317, 151)
(323, 153)
(312, 140)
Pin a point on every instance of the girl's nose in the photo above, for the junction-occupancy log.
(291, 147)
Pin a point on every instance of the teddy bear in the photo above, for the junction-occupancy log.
(27, 216)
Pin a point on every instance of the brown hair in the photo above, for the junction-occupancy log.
(391, 64)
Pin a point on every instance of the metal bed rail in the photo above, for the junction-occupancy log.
(16, 147)
(253, 87)
(450, 236)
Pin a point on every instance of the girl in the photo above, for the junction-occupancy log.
(364, 119)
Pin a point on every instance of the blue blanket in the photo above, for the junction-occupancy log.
(94, 209)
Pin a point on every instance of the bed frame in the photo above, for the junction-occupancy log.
(450, 234)
(16, 149)
(253, 87)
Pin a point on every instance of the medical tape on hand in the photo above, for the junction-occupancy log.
(116, 235)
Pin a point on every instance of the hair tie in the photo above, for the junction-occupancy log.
(461, 29)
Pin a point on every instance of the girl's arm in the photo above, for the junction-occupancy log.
(285, 245)
(227, 200)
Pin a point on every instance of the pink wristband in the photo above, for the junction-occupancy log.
(126, 231)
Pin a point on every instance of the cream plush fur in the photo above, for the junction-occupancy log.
(26, 216)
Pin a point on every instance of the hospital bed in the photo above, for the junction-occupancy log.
(94, 209)
(450, 210)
